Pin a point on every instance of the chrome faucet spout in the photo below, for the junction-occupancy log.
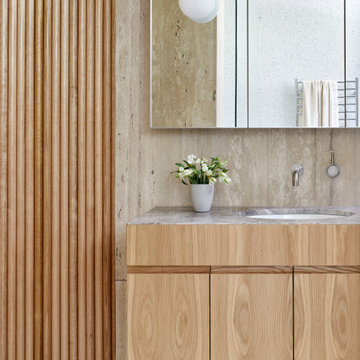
(296, 171)
(295, 178)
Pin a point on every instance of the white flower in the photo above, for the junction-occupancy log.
(184, 173)
(223, 177)
(191, 159)
(209, 173)
(181, 169)
(223, 163)
(204, 168)
(204, 160)
(197, 161)
(187, 172)
(212, 180)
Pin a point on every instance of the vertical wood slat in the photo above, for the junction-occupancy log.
(90, 183)
(64, 182)
(55, 174)
(98, 150)
(3, 174)
(73, 81)
(82, 181)
(12, 156)
(47, 181)
(38, 186)
(107, 180)
(20, 184)
(29, 181)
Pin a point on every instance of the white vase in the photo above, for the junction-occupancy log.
(202, 196)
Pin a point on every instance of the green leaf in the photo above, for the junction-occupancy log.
(180, 165)
(184, 182)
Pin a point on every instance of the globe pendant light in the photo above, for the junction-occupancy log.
(200, 11)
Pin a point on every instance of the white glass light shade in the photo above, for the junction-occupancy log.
(201, 11)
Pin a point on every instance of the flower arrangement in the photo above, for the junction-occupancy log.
(201, 171)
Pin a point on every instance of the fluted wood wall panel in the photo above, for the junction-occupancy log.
(56, 179)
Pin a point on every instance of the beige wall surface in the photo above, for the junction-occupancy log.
(260, 160)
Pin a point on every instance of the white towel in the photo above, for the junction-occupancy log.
(320, 104)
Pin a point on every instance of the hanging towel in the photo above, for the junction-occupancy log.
(320, 104)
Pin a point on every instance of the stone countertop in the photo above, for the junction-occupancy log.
(238, 215)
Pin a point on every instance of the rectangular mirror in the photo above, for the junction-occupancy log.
(258, 64)
(193, 82)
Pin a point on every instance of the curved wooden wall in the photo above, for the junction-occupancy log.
(56, 179)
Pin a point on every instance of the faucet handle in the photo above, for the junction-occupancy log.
(332, 159)
(333, 170)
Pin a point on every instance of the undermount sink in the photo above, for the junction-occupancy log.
(295, 214)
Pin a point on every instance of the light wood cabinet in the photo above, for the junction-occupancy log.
(251, 316)
(327, 316)
(243, 292)
(168, 316)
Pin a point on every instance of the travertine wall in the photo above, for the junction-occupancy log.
(260, 159)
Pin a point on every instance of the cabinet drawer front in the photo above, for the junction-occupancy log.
(168, 316)
(251, 316)
(243, 245)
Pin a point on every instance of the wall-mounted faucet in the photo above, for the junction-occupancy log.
(296, 171)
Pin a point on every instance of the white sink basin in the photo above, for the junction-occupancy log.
(295, 216)
(286, 214)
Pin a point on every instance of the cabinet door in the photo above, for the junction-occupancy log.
(168, 317)
(327, 316)
(251, 317)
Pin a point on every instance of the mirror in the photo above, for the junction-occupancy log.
(185, 68)
(258, 64)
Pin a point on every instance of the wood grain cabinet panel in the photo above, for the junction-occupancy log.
(243, 245)
(251, 317)
(168, 316)
(327, 316)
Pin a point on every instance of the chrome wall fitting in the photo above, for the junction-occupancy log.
(296, 171)
(333, 170)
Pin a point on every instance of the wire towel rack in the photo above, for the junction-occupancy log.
(348, 96)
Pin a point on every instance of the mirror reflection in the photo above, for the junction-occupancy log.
(257, 64)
